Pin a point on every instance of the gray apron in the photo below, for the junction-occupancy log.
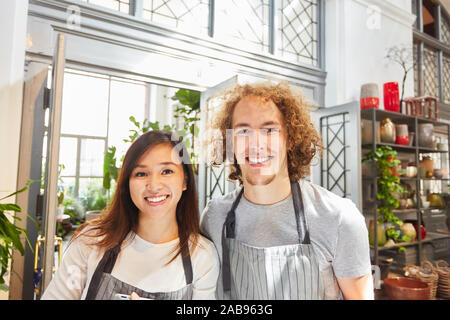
(289, 272)
(104, 286)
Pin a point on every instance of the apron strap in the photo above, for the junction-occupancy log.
(228, 231)
(187, 266)
(105, 265)
(299, 213)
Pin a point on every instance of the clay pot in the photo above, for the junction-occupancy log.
(428, 164)
(438, 173)
(387, 131)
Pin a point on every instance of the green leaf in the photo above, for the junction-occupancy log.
(10, 207)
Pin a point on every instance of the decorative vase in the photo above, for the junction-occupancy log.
(391, 97)
(381, 233)
(428, 164)
(366, 131)
(426, 135)
(369, 96)
(387, 131)
(411, 171)
(402, 136)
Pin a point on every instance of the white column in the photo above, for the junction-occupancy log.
(13, 26)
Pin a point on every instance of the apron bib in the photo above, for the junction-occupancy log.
(289, 272)
(104, 286)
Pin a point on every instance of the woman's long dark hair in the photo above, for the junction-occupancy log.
(121, 216)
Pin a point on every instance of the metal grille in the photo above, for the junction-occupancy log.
(333, 164)
(216, 181)
(189, 15)
(298, 32)
(445, 30)
(446, 78)
(246, 21)
(416, 70)
(119, 5)
(430, 72)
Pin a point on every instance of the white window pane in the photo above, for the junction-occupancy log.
(91, 157)
(89, 187)
(85, 105)
(68, 156)
(68, 185)
(110, 4)
(127, 99)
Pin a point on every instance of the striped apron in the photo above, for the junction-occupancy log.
(104, 286)
(272, 273)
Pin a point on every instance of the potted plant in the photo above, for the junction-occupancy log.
(10, 235)
(388, 183)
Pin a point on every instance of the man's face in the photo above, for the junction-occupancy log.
(259, 140)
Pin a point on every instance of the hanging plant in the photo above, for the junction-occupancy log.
(388, 182)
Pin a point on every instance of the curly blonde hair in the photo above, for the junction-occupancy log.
(303, 140)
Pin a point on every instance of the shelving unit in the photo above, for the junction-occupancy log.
(415, 151)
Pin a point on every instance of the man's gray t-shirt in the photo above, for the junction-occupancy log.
(337, 230)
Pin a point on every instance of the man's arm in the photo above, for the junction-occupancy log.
(351, 263)
(360, 288)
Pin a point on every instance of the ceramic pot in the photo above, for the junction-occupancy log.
(369, 96)
(438, 173)
(391, 96)
(435, 200)
(426, 135)
(442, 146)
(387, 131)
(428, 164)
(402, 136)
(366, 131)
(411, 171)
(381, 233)
(422, 172)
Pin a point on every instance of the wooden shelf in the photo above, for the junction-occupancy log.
(404, 244)
(381, 114)
(404, 210)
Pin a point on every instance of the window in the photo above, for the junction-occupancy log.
(95, 115)
(432, 47)
(188, 15)
(298, 31)
(245, 22)
(285, 28)
(118, 5)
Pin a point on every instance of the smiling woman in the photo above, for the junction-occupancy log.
(147, 241)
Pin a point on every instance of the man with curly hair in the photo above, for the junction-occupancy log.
(278, 235)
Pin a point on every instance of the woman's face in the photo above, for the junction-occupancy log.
(157, 182)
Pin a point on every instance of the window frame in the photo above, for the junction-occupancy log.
(436, 44)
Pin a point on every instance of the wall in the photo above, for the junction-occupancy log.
(357, 36)
(13, 23)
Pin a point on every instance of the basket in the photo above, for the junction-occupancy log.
(426, 273)
(443, 271)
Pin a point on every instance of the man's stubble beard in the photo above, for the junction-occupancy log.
(259, 181)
